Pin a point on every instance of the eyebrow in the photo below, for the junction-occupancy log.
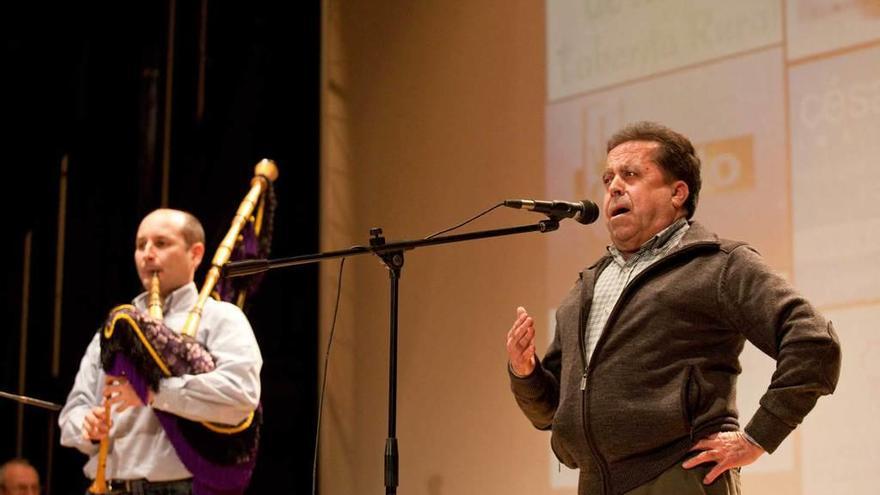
(158, 238)
(624, 166)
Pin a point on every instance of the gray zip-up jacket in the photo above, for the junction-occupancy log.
(663, 374)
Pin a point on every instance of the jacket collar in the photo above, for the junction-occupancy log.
(697, 234)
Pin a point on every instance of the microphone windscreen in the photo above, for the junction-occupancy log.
(590, 213)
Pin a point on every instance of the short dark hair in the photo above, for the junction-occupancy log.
(675, 155)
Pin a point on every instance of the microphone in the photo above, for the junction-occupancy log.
(585, 211)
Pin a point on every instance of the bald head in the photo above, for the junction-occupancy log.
(189, 226)
(19, 477)
(170, 243)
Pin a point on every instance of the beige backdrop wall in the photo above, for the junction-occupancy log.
(436, 110)
(433, 111)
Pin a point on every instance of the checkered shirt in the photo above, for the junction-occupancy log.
(615, 277)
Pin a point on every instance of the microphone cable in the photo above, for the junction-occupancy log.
(333, 331)
(462, 224)
(324, 378)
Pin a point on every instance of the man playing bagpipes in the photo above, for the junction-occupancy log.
(165, 416)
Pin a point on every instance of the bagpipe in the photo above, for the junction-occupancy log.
(140, 347)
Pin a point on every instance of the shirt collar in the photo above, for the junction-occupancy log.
(181, 299)
(656, 243)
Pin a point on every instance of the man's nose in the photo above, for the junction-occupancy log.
(149, 250)
(615, 187)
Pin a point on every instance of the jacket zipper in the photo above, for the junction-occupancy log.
(600, 461)
(588, 365)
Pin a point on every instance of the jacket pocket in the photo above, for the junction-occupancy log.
(561, 452)
(691, 397)
(567, 431)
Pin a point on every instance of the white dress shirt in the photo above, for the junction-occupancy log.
(139, 447)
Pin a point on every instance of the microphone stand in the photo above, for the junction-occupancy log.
(391, 254)
(53, 408)
(23, 399)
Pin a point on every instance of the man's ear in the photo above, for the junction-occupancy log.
(680, 193)
(196, 253)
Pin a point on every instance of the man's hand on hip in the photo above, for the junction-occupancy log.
(728, 449)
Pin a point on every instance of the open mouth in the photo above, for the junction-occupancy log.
(620, 210)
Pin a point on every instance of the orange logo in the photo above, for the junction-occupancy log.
(727, 165)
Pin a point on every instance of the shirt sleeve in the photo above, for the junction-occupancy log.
(782, 324)
(230, 392)
(82, 398)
